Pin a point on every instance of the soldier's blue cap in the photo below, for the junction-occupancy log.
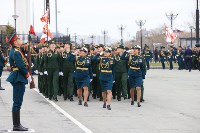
(107, 49)
(13, 38)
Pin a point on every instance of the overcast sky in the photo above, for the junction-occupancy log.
(86, 17)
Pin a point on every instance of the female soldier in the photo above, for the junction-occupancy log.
(136, 72)
(106, 74)
(52, 72)
(83, 73)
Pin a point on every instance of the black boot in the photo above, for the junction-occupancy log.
(85, 104)
(108, 107)
(80, 102)
(104, 105)
(16, 122)
(132, 102)
(138, 104)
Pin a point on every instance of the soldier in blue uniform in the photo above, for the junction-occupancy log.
(148, 56)
(163, 57)
(18, 78)
(136, 72)
(107, 74)
(2, 64)
(170, 57)
(179, 57)
(188, 58)
(83, 73)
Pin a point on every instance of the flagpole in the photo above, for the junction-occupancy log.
(33, 12)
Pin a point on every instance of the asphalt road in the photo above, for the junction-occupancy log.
(172, 105)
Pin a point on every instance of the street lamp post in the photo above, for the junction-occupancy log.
(197, 25)
(191, 27)
(121, 28)
(15, 19)
(104, 37)
(141, 23)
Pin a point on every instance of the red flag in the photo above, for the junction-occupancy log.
(6, 39)
(32, 30)
(45, 17)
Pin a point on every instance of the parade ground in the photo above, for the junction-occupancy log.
(172, 105)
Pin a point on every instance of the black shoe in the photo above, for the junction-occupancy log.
(132, 102)
(104, 105)
(125, 97)
(88, 99)
(2, 88)
(50, 97)
(114, 97)
(141, 100)
(85, 104)
(108, 107)
(55, 99)
(79, 102)
(119, 99)
(101, 99)
(46, 96)
(71, 99)
(16, 122)
(138, 104)
(65, 98)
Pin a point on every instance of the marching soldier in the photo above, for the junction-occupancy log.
(83, 73)
(52, 72)
(170, 57)
(136, 72)
(162, 56)
(188, 58)
(121, 74)
(148, 56)
(107, 75)
(68, 71)
(18, 78)
(180, 58)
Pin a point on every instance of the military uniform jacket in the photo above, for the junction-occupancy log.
(179, 56)
(136, 65)
(106, 66)
(82, 65)
(2, 60)
(18, 65)
(52, 60)
(64, 62)
(120, 65)
(148, 54)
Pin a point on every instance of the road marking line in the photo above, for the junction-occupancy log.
(84, 128)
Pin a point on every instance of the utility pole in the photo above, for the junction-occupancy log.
(92, 36)
(171, 17)
(121, 28)
(141, 23)
(104, 37)
(197, 25)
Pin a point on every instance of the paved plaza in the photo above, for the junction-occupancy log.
(172, 105)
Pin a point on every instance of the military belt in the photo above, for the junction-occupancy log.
(106, 71)
(134, 68)
(79, 68)
(15, 69)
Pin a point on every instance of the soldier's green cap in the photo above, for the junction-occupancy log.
(100, 45)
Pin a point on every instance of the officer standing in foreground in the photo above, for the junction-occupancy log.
(18, 78)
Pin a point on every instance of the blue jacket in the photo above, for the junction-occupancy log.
(188, 53)
(81, 63)
(17, 61)
(136, 65)
(106, 65)
(2, 60)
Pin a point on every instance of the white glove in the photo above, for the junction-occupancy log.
(91, 80)
(41, 73)
(36, 71)
(101, 53)
(128, 51)
(113, 81)
(145, 76)
(29, 79)
(32, 65)
(45, 73)
(94, 75)
(60, 73)
(8, 64)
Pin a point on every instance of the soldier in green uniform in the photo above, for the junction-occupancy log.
(121, 74)
(52, 71)
(68, 71)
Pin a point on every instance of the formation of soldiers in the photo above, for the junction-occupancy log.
(64, 70)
